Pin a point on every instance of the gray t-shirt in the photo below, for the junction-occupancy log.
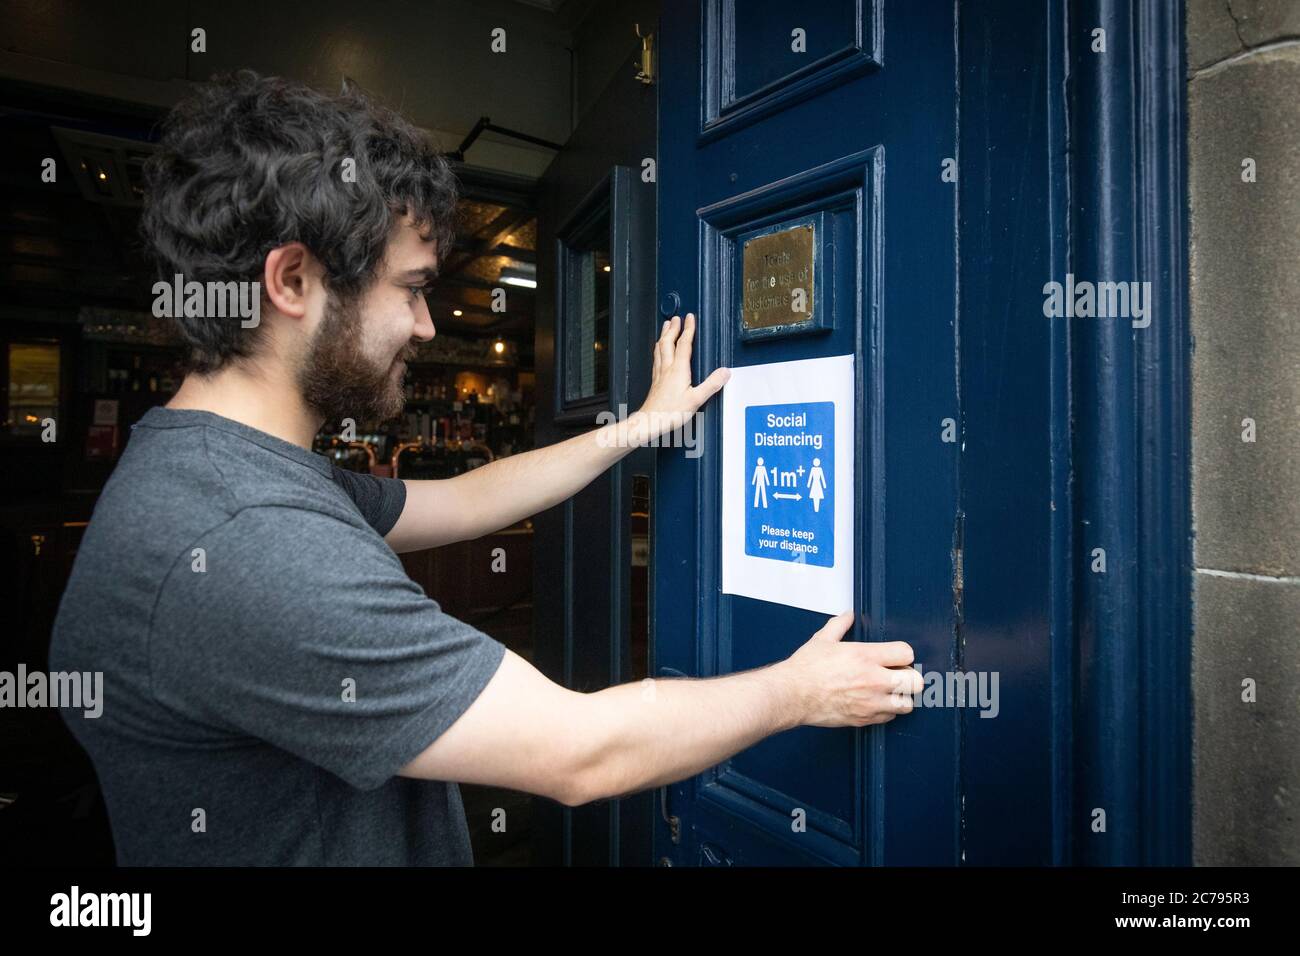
(268, 665)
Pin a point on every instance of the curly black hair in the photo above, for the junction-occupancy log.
(248, 163)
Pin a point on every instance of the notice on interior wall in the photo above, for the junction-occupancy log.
(787, 483)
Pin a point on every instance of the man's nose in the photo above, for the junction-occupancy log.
(424, 330)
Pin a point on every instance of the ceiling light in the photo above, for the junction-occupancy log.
(523, 276)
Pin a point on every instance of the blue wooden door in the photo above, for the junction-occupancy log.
(775, 115)
(952, 160)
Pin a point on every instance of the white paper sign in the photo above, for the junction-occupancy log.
(787, 483)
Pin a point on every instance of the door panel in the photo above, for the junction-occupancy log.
(853, 144)
(755, 63)
(804, 769)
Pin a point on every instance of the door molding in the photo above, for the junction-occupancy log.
(1129, 213)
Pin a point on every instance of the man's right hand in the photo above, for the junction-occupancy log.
(527, 733)
(850, 683)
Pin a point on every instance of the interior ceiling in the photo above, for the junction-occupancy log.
(568, 13)
(75, 242)
(490, 237)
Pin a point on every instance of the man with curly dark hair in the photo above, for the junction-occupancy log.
(276, 689)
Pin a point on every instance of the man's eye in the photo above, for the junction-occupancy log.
(417, 290)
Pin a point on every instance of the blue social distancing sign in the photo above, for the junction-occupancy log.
(789, 482)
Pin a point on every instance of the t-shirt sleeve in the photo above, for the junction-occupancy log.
(380, 500)
(305, 632)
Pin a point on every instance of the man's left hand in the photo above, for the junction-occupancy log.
(672, 398)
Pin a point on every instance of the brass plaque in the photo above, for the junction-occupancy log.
(777, 278)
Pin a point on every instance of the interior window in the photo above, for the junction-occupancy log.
(587, 275)
(33, 386)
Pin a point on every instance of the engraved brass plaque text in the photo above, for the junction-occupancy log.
(777, 278)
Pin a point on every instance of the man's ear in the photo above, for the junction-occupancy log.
(287, 278)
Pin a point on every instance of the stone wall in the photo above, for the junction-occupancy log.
(1243, 88)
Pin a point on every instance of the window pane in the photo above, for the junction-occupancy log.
(586, 324)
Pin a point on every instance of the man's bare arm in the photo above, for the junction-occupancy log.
(527, 733)
(496, 495)
(503, 492)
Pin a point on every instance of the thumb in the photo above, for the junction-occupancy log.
(835, 628)
(711, 385)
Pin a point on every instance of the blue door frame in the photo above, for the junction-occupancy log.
(1073, 434)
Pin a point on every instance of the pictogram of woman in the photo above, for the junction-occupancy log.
(816, 484)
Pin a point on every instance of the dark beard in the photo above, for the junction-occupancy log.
(336, 378)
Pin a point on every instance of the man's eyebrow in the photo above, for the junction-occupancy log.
(424, 274)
